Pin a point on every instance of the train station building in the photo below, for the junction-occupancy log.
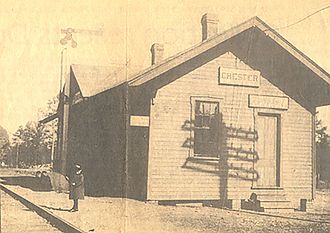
(230, 117)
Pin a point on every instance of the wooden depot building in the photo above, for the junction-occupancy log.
(230, 117)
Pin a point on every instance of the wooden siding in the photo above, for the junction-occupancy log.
(97, 140)
(138, 142)
(173, 172)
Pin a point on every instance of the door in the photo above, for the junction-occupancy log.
(267, 165)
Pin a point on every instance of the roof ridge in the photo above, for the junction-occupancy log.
(221, 37)
(248, 21)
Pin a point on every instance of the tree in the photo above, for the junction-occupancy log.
(322, 138)
(49, 130)
(33, 143)
(27, 143)
(322, 152)
(4, 145)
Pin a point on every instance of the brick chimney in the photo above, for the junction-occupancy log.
(157, 52)
(209, 26)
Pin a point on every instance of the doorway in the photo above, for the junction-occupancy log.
(268, 148)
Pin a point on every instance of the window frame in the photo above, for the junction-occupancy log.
(193, 102)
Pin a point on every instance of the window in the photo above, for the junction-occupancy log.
(206, 129)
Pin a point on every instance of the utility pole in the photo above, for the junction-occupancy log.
(63, 129)
(53, 150)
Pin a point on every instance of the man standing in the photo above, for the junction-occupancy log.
(77, 187)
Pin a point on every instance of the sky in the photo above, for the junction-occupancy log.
(30, 31)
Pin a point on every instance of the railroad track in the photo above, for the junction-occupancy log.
(46, 218)
(16, 218)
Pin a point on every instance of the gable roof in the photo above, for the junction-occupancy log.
(96, 79)
(93, 80)
(171, 62)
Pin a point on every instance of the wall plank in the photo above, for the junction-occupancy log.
(173, 175)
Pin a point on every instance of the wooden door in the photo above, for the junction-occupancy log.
(267, 165)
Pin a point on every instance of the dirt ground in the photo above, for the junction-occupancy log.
(107, 214)
(13, 213)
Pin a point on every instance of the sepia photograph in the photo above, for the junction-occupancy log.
(164, 116)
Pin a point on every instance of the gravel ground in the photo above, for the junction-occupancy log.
(12, 214)
(105, 214)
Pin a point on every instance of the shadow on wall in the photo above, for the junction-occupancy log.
(231, 161)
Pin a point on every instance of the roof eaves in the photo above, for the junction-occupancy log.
(275, 36)
(185, 55)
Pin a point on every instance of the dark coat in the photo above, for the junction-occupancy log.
(77, 187)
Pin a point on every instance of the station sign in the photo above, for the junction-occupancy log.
(142, 121)
(267, 101)
(239, 77)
